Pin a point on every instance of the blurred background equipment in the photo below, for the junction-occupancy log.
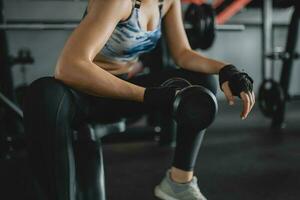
(204, 19)
(11, 128)
(273, 94)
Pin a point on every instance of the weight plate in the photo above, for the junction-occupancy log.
(211, 25)
(270, 97)
(176, 82)
(190, 16)
(202, 19)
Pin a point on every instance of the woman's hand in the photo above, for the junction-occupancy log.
(235, 83)
(248, 99)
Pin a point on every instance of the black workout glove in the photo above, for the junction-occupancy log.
(238, 81)
(161, 98)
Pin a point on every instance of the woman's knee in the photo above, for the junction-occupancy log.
(195, 108)
(46, 86)
(46, 98)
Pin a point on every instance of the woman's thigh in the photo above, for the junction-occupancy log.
(108, 109)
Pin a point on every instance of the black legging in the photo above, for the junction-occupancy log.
(52, 109)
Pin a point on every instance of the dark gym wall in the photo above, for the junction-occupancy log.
(241, 48)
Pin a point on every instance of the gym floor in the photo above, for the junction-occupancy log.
(238, 160)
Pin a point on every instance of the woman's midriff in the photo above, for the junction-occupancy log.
(114, 67)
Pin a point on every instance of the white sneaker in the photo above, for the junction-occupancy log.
(169, 190)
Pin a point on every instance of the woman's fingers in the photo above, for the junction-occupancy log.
(246, 104)
(253, 97)
(228, 93)
(251, 100)
(248, 99)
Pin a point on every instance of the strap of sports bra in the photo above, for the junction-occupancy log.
(137, 4)
(160, 4)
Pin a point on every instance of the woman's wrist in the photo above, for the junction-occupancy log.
(238, 81)
(194, 61)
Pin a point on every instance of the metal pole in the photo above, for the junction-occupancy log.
(290, 49)
(267, 12)
(38, 26)
(11, 105)
(286, 71)
(71, 26)
(230, 27)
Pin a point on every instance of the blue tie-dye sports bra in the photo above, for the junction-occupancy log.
(128, 40)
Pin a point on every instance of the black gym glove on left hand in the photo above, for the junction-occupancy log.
(238, 81)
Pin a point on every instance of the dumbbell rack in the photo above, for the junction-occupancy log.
(287, 57)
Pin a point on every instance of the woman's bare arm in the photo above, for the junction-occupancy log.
(180, 48)
(75, 65)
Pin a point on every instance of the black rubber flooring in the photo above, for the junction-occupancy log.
(238, 160)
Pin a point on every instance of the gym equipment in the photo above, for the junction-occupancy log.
(11, 105)
(24, 57)
(168, 126)
(10, 112)
(202, 18)
(11, 127)
(275, 107)
(38, 26)
(178, 82)
(90, 174)
(226, 9)
(195, 105)
(270, 97)
(201, 26)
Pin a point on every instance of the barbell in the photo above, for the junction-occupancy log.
(202, 19)
(37, 26)
(201, 26)
(70, 26)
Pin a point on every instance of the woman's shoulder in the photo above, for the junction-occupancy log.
(167, 4)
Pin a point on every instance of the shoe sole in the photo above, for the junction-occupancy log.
(162, 195)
